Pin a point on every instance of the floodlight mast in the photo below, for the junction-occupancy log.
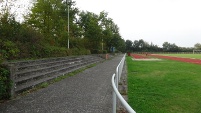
(68, 2)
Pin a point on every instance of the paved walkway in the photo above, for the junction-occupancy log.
(86, 92)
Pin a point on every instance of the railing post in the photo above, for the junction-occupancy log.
(117, 77)
(114, 107)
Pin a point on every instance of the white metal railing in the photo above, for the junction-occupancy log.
(115, 80)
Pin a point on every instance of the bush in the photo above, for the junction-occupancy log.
(104, 51)
(53, 51)
(77, 51)
(1, 58)
(5, 83)
(96, 51)
(9, 50)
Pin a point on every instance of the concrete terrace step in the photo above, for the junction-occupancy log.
(49, 76)
(44, 69)
(48, 67)
(27, 74)
(36, 75)
(44, 64)
(23, 65)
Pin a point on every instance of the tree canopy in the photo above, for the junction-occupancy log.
(143, 46)
(46, 28)
(197, 46)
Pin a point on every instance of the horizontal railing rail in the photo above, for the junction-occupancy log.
(115, 80)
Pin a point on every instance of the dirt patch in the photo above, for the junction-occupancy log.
(147, 59)
(143, 57)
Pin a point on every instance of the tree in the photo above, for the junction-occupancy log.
(166, 46)
(197, 46)
(129, 45)
(6, 6)
(92, 31)
(42, 19)
(140, 45)
(136, 45)
(106, 26)
(49, 17)
(121, 45)
(174, 48)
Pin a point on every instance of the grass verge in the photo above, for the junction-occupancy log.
(164, 86)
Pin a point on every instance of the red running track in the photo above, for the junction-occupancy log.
(137, 56)
(189, 60)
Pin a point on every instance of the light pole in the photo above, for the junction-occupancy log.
(102, 44)
(68, 2)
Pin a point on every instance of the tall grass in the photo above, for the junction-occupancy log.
(164, 86)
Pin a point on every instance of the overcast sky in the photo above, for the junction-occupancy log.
(156, 21)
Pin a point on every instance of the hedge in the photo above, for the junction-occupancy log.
(5, 83)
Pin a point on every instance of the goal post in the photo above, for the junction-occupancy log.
(197, 51)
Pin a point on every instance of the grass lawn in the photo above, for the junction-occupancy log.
(197, 56)
(164, 86)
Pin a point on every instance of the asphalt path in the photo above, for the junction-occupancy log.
(87, 92)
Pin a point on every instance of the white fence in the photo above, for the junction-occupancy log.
(115, 80)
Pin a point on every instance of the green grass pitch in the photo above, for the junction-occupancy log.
(164, 86)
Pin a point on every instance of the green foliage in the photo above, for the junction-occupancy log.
(1, 58)
(129, 45)
(44, 32)
(5, 83)
(77, 51)
(100, 30)
(143, 46)
(197, 46)
(9, 50)
(168, 47)
(9, 28)
(96, 51)
(92, 31)
(104, 52)
(53, 51)
(49, 17)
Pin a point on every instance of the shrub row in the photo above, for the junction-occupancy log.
(96, 51)
(5, 83)
(16, 51)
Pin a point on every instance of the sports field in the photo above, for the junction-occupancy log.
(197, 56)
(164, 86)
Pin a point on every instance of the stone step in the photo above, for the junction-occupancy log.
(41, 61)
(45, 64)
(49, 76)
(27, 74)
(25, 78)
(36, 75)
(44, 69)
